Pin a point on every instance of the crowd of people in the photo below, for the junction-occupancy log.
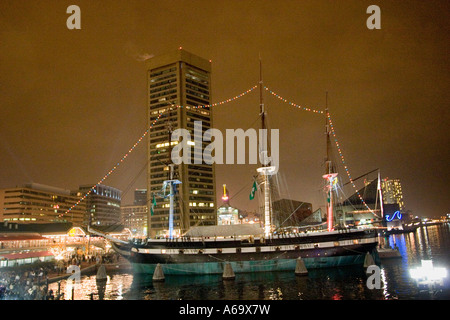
(31, 282)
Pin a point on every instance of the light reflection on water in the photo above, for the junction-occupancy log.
(346, 283)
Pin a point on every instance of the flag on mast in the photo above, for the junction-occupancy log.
(252, 193)
(153, 204)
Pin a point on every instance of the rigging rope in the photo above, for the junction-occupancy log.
(214, 105)
(143, 136)
(333, 132)
(292, 103)
(335, 140)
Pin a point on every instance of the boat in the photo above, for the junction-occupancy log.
(186, 255)
(247, 248)
(388, 253)
(403, 229)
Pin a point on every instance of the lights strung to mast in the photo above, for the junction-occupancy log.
(344, 164)
(143, 136)
(218, 104)
(334, 136)
(292, 103)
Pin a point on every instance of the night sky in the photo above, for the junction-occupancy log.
(72, 102)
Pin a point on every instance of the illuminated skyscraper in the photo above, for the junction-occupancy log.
(392, 192)
(176, 79)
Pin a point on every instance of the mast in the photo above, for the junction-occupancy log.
(380, 191)
(171, 202)
(330, 173)
(261, 101)
(265, 170)
(171, 181)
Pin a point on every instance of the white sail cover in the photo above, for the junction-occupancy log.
(226, 230)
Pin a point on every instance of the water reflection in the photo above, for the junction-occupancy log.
(346, 283)
(89, 288)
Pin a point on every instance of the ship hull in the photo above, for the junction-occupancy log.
(277, 254)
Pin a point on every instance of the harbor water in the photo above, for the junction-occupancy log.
(346, 283)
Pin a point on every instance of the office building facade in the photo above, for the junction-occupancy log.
(179, 79)
(102, 205)
(392, 192)
(140, 197)
(135, 219)
(38, 203)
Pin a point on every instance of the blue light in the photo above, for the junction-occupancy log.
(396, 213)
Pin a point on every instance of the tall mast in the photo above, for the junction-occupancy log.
(261, 101)
(380, 190)
(330, 174)
(265, 170)
(330, 168)
(171, 181)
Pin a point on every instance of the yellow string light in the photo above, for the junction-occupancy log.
(334, 135)
(292, 103)
(142, 137)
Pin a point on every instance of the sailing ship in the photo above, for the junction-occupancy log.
(251, 248)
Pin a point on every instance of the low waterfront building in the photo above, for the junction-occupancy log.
(28, 243)
(38, 203)
(288, 212)
(226, 214)
(353, 211)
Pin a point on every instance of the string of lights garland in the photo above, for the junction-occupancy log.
(335, 140)
(292, 103)
(114, 168)
(333, 132)
(223, 101)
(142, 137)
(217, 104)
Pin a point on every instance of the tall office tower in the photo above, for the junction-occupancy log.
(102, 205)
(176, 79)
(392, 192)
